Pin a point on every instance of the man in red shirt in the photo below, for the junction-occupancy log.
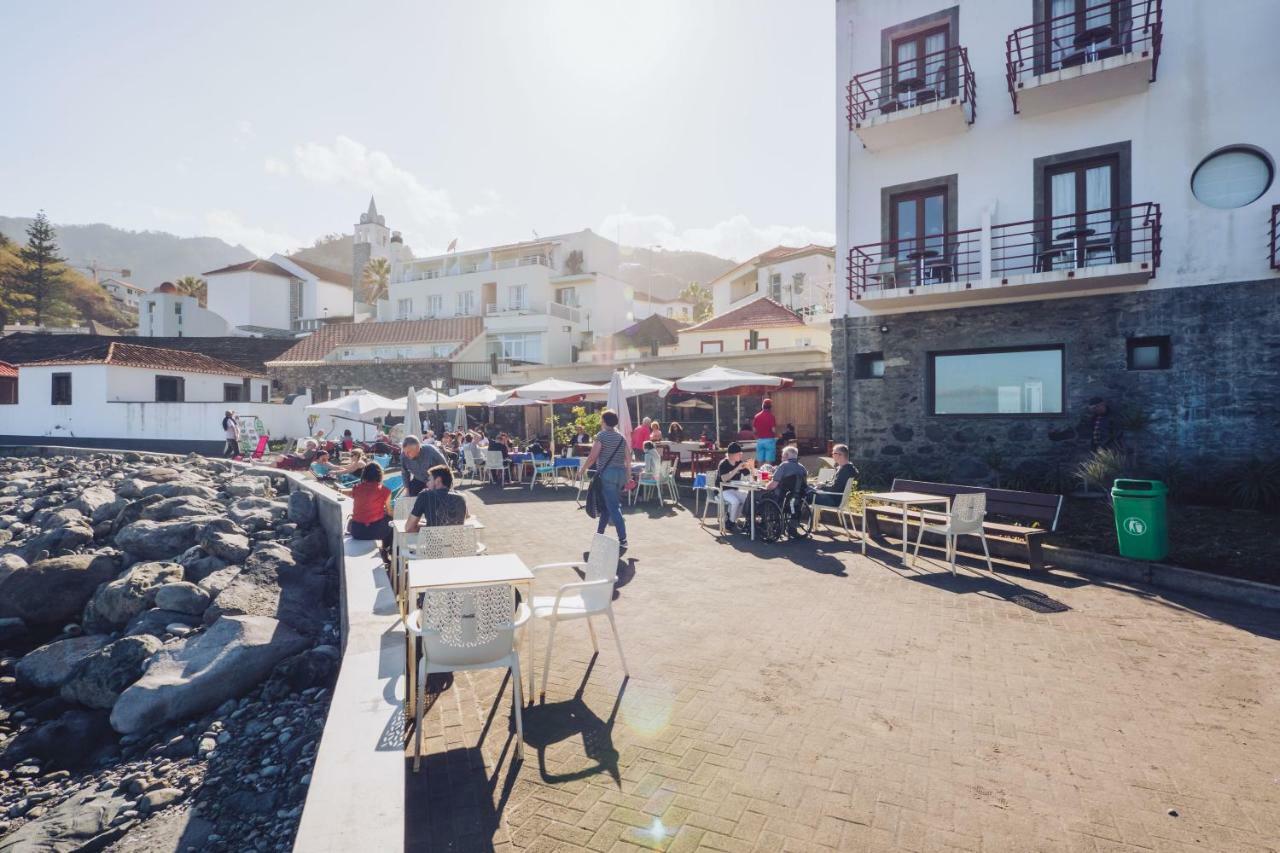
(766, 432)
(639, 436)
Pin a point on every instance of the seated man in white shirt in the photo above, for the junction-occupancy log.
(733, 467)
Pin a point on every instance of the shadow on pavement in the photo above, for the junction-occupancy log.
(546, 724)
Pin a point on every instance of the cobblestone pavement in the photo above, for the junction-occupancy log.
(803, 697)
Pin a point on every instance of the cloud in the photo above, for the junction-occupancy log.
(492, 202)
(735, 238)
(421, 211)
(228, 226)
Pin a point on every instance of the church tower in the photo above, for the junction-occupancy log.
(372, 240)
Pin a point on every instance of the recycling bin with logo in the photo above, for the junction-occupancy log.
(1141, 525)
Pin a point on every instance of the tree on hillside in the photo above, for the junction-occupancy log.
(700, 298)
(194, 285)
(14, 300)
(376, 277)
(42, 274)
(86, 300)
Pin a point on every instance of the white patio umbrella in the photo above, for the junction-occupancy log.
(617, 401)
(361, 407)
(717, 381)
(557, 391)
(483, 396)
(412, 420)
(426, 397)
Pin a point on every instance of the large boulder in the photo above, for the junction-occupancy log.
(131, 512)
(271, 561)
(226, 546)
(72, 740)
(182, 506)
(99, 503)
(197, 675)
(51, 665)
(161, 474)
(183, 597)
(246, 486)
(100, 677)
(156, 622)
(255, 514)
(302, 506)
(155, 540)
(64, 516)
(58, 539)
(218, 580)
(55, 590)
(312, 546)
(10, 563)
(179, 488)
(84, 821)
(115, 603)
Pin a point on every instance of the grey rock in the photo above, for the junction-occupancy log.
(161, 474)
(10, 563)
(246, 486)
(313, 546)
(11, 628)
(156, 622)
(131, 488)
(216, 581)
(198, 674)
(158, 799)
(156, 540)
(302, 506)
(100, 677)
(313, 668)
(180, 488)
(131, 512)
(58, 539)
(256, 513)
(64, 517)
(183, 597)
(198, 564)
(231, 547)
(28, 592)
(115, 603)
(271, 561)
(185, 506)
(99, 503)
(49, 666)
(81, 822)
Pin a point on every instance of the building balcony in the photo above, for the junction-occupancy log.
(1275, 237)
(1097, 249)
(429, 270)
(912, 101)
(1093, 54)
(567, 313)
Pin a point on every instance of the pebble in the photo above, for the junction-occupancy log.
(1173, 812)
(26, 769)
(207, 745)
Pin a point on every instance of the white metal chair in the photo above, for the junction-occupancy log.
(841, 510)
(463, 630)
(495, 465)
(713, 497)
(433, 543)
(472, 464)
(583, 481)
(582, 600)
(965, 519)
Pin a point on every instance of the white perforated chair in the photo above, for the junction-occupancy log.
(495, 465)
(472, 464)
(434, 543)
(582, 600)
(965, 519)
(464, 630)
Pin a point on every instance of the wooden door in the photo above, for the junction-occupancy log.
(797, 406)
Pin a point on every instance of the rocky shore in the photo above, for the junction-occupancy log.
(168, 645)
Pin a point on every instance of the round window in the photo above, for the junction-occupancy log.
(1232, 177)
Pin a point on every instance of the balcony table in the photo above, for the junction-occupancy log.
(905, 500)
(1091, 38)
(1077, 236)
(920, 256)
(906, 87)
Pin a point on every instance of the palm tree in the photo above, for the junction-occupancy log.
(376, 277)
(193, 285)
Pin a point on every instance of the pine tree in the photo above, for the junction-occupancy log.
(42, 274)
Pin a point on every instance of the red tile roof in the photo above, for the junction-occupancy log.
(757, 314)
(256, 265)
(323, 272)
(652, 329)
(8, 371)
(135, 355)
(320, 343)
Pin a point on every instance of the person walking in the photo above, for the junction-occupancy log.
(613, 467)
(766, 430)
(231, 430)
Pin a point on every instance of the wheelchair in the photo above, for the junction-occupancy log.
(785, 513)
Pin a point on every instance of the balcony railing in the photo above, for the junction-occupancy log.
(552, 309)
(1108, 29)
(412, 273)
(1059, 245)
(940, 76)
(1275, 237)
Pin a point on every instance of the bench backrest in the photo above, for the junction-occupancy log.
(1021, 506)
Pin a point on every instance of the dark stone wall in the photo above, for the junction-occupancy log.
(388, 378)
(1219, 402)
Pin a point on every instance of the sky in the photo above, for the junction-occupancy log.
(690, 124)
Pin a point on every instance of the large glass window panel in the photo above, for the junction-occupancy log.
(935, 222)
(1019, 382)
(905, 60)
(935, 63)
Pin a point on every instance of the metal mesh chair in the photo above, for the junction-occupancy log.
(965, 519)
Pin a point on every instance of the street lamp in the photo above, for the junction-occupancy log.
(436, 385)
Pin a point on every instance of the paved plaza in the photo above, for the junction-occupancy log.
(803, 697)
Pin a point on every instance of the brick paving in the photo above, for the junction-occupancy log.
(803, 697)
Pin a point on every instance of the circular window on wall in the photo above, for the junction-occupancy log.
(1232, 177)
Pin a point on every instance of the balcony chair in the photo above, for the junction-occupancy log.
(592, 596)
(886, 274)
(466, 630)
(965, 519)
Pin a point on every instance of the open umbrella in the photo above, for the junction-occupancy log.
(718, 380)
(482, 396)
(557, 391)
(361, 407)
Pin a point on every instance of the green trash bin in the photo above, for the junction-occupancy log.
(1142, 527)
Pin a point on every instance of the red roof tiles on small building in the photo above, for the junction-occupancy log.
(761, 313)
(8, 371)
(121, 354)
(256, 265)
(319, 344)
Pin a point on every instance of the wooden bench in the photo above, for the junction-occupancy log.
(1025, 517)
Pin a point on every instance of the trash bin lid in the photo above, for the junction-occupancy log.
(1138, 489)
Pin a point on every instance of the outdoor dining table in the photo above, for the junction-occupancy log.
(397, 538)
(903, 500)
(751, 486)
(461, 573)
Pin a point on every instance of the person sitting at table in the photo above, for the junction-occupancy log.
(790, 476)
(502, 444)
(652, 459)
(371, 509)
(732, 468)
(416, 459)
(845, 471)
(788, 434)
(706, 439)
(583, 437)
(655, 432)
(639, 436)
(746, 433)
(675, 432)
(437, 506)
(347, 441)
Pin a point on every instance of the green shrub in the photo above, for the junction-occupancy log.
(1254, 485)
(1100, 469)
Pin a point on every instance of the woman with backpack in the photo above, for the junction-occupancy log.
(613, 469)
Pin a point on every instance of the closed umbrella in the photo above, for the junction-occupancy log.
(412, 420)
(718, 380)
(617, 401)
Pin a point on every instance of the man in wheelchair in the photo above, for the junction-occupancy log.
(783, 508)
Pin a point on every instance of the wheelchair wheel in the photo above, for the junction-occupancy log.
(800, 523)
(769, 523)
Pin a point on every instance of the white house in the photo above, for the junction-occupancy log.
(166, 313)
(280, 294)
(757, 324)
(117, 394)
(1040, 204)
(797, 277)
(673, 309)
(126, 293)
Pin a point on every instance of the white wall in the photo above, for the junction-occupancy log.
(137, 384)
(780, 337)
(164, 321)
(1214, 56)
(321, 299)
(250, 299)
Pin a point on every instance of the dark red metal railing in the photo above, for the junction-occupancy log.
(1110, 28)
(1052, 244)
(943, 75)
(1275, 236)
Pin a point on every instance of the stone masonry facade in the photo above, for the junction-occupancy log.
(388, 378)
(1218, 401)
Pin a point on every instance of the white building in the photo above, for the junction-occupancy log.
(166, 313)
(673, 309)
(757, 324)
(281, 294)
(125, 293)
(799, 278)
(1030, 217)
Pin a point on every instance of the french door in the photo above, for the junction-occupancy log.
(1069, 21)
(1083, 228)
(920, 63)
(918, 222)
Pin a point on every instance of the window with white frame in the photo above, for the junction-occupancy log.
(404, 308)
(775, 286)
(435, 305)
(517, 297)
(295, 301)
(466, 303)
(518, 347)
(567, 296)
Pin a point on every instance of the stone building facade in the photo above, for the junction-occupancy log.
(1217, 399)
(390, 378)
